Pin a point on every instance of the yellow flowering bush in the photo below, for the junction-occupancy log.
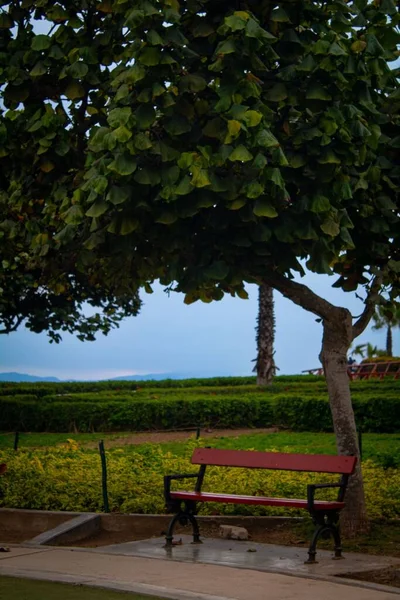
(69, 478)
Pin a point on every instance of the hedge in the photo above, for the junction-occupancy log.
(70, 479)
(373, 413)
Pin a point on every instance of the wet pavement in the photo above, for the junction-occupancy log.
(248, 555)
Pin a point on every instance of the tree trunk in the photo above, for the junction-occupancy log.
(337, 338)
(389, 341)
(265, 364)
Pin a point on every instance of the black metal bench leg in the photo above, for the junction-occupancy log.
(170, 532)
(338, 542)
(183, 517)
(195, 528)
(328, 527)
(312, 551)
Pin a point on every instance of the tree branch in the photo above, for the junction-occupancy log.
(13, 327)
(370, 306)
(301, 295)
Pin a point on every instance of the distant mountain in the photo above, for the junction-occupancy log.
(155, 376)
(23, 377)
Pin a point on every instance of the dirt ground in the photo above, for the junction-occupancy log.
(160, 437)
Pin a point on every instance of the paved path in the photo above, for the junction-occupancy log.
(174, 580)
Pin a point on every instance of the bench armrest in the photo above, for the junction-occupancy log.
(169, 478)
(317, 486)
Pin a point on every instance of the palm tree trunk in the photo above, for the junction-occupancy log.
(389, 341)
(265, 364)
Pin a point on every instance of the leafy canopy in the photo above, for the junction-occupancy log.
(199, 142)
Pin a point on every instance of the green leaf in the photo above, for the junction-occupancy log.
(167, 218)
(320, 203)
(123, 164)
(279, 15)
(307, 65)
(142, 141)
(252, 118)
(150, 57)
(225, 47)
(263, 208)
(218, 270)
(38, 70)
(74, 91)
(253, 30)
(73, 216)
(236, 22)
(277, 93)
(254, 190)
(329, 157)
(97, 209)
(154, 38)
(336, 50)
(177, 125)
(317, 92)
(373, 46)
(234, 128)
(41, 42)
(145, 116)
(119, 116)
(184, 187)
(266, 139)
(358, 47)
(192, 83)
(122, 134)
(241, 154)
(78, 70)
(275, 175)
(118, 195)
(330, 227)
(200, 177)
(97, 141)
(128, 225)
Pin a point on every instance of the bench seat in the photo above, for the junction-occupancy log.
(256, 500)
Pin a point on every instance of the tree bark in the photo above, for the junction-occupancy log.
(389, 341)
(337, 337)
(338, 333)
(265, 364)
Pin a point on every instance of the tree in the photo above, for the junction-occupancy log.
(367, 350)
(208, 146)
(265, 363)
(387, 318)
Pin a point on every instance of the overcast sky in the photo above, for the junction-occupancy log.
(196, 340)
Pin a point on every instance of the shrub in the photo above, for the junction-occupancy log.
(70, 479)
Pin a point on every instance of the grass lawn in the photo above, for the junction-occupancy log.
(27, 589)
(40, 440)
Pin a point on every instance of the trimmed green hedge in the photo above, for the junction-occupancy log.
(373, 414)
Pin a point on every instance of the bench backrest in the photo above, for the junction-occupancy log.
(318, 463)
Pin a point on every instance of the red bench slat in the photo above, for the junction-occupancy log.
(317, 463)
(258, 500)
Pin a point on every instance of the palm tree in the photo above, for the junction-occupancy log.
(265, 364)
(387, 318)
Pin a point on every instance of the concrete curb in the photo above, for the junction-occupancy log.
(136, 588)
(71, 531)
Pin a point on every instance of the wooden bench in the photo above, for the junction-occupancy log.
(325, 514)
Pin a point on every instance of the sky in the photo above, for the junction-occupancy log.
(200, 340)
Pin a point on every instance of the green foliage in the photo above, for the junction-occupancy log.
(218, 125)
(69, 478)
(299, 404)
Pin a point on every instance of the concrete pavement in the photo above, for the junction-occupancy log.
(174, 579)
